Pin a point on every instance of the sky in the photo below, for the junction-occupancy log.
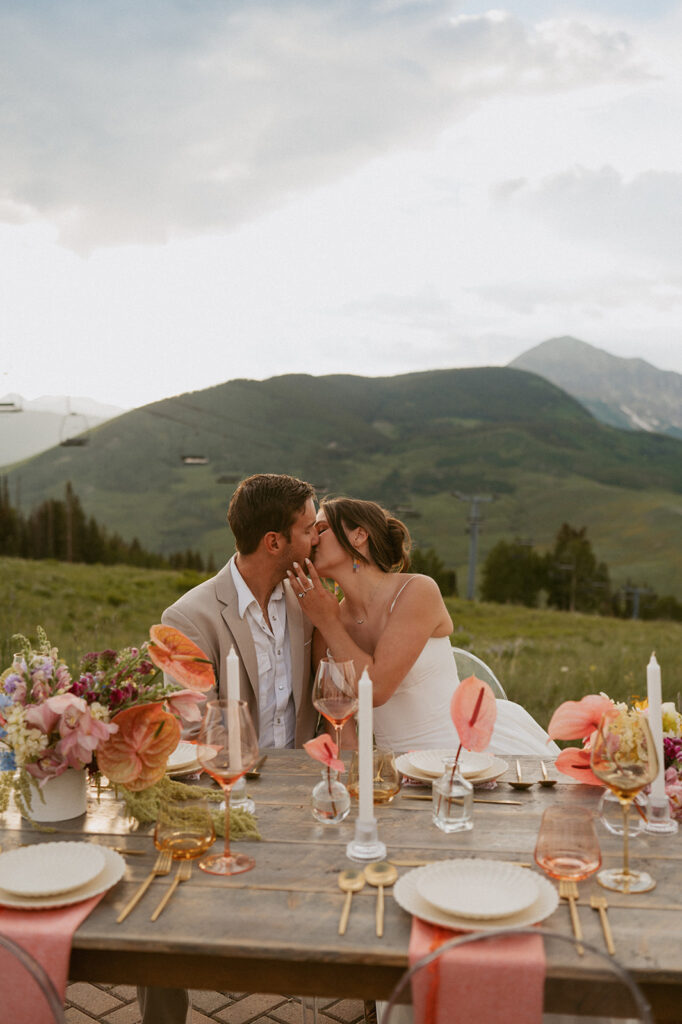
(196, 192)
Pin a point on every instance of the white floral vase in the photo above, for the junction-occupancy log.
(65, 797)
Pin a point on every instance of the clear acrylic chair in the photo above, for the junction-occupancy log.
(39, 975)
(469, 665)
(615, 993)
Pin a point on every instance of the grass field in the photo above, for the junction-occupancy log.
(541, 657)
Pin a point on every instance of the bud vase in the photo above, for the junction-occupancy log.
(453, 800)
(330, 799)
(64, 797)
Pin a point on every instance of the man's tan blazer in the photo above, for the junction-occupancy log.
(209, 615)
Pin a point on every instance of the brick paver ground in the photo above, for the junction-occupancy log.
(117, 1004)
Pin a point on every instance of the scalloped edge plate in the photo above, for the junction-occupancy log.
(497, 769)
(479, 889)
(184, 756)
(48, 869)
(430, 762)
(406, 895)
(113, 871)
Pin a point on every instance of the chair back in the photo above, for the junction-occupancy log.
(39, 975)
(469, 665)
(613, 990)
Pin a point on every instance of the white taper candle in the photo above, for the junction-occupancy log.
(365, 772)
(654, 700)
(233, 728)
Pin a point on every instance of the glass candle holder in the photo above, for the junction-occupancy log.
(453, 800)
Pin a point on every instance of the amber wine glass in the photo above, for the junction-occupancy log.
(624, 757)
(185, 827)
(335, 693)
(227, 748)
(385, 781)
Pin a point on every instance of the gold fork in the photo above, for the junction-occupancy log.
(162, 866)
(599, 903)
(569, 891)
(183, 874)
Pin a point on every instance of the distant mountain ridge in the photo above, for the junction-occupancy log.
(28, 427)
(408, 441)
(627, 393)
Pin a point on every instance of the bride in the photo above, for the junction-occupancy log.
(394, 624)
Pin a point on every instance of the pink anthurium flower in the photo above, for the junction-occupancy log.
(576, 762)
(136, 756)
(184, 703)
(474, 710)
(324, 750)
(176, 654)
(578, 719)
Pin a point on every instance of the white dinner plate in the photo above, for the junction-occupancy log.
(184, 756)
(497, 768)
(111, 873)
(478, 888)
(406, 895)
(430, 762)
(47, 869)
(177, 773)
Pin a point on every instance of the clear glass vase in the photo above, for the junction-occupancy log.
(453, 800)
(330, 799)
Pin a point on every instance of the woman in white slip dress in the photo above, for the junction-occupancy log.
(397, 626)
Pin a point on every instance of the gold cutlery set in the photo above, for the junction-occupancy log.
(162, 866)
(568, 891)
(378, 875)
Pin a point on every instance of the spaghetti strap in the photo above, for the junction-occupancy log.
(399, 593)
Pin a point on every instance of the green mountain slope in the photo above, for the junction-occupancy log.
(409, 441)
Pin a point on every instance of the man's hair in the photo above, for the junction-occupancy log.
(263, 503)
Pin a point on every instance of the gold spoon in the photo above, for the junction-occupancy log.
(545, 780)
(520, 783)
(349, 881)
(380, 874)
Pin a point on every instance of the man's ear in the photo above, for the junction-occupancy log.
(273, 542)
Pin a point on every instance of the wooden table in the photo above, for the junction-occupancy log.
(274, 929)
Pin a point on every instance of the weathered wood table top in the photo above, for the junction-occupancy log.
(274, 929)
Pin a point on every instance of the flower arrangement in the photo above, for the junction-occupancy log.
(116, 715)
(580, 720)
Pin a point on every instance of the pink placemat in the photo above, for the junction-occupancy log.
(47, 935)
(496, 981)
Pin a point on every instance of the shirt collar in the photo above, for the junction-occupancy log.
(244, 594)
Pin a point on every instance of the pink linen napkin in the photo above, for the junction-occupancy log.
(489, 982)
(47, 935)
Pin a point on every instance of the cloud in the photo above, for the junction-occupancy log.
(138, 122)
(590, 296)
(642, 215)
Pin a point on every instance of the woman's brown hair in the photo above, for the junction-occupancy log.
(389, 539)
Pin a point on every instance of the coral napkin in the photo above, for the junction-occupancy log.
(47, 935)
(489, 982)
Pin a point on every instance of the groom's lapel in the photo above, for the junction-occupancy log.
(239, 629)
(295, 623)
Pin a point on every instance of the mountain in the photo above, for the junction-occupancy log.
(30, 427)
(627, 393)
(165, 472)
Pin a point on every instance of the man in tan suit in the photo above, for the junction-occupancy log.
(249, 604)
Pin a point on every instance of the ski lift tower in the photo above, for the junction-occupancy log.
(474, 521)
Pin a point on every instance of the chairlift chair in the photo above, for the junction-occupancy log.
(10, 407)
(194, 460)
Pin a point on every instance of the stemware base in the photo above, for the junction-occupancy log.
(618, 880)
(219, 864)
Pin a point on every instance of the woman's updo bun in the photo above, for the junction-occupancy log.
(388, 538)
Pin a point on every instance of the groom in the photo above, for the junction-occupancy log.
(249, 605)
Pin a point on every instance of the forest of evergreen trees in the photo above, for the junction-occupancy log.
(61, 530)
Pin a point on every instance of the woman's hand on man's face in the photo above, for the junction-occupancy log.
(314, 598)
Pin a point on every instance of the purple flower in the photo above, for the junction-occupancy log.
(672, 751)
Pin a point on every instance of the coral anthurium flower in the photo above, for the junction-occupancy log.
(137, 754)
(576, 762)
(474, 710)
(176, 654)
(578, 719)
(324, 750)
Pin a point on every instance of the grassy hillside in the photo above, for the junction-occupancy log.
(408, 441)
(541, 657)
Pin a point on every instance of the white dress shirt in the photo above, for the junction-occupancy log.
(276, 709)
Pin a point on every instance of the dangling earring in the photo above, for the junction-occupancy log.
(356, 565)
(337, 589)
